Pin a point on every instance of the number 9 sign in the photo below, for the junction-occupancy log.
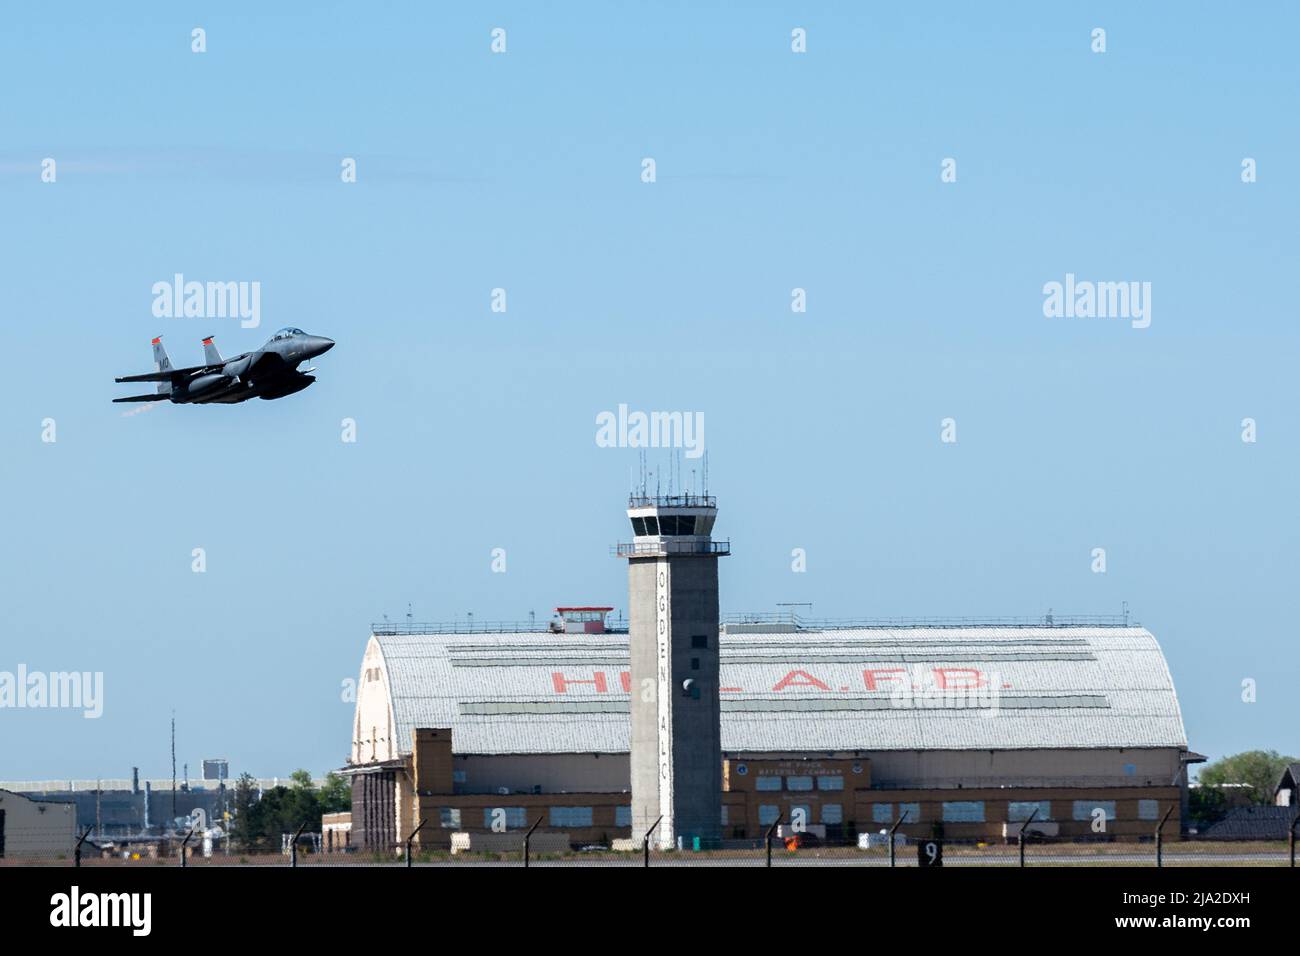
(929, 853)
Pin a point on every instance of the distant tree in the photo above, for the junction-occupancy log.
(1206, 805)
(283, 810)
(243, 828)
(1260, 768)
(335, 794)
(260, 823)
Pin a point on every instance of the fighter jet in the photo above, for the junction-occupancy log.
(270, 372)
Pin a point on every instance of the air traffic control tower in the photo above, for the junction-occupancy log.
(672, 583)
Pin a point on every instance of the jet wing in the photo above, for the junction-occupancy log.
(170, 375)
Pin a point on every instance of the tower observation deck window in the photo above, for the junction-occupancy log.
(664, 524)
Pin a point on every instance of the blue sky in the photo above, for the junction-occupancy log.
(475, 430)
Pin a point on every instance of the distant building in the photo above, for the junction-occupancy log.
(1231, 795)
(31, 829)
(966, 729)
(336, 832)
(1287, 791)
(119, 809)
(1260, 822)
(456, 726)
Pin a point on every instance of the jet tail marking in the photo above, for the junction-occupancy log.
(164, 365)
(210, 353)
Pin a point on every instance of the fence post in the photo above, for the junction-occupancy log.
(410, 840)
(768, 838)
(1160, 840)
(528, 836)
(645, 846)
(891, 836)
(77, 849)
(1020, 837)
(184, 863)
(293, 847)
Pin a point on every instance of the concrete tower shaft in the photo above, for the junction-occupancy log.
(676, 745)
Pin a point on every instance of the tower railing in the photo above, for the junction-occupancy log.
(394, 628)
(418, 628)
(672, 501)
(670, 546)
(829, 624)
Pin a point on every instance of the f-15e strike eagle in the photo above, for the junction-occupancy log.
(270, 372)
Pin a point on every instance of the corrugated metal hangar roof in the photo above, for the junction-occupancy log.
(944, 688)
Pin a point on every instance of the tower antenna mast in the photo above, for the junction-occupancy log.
(173, 765)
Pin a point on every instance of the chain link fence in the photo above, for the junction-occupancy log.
(544, 847)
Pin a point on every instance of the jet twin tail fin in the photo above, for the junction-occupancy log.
(164, 365)
(210, 354)
(160, 356)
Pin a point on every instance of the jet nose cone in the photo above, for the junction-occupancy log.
(320, 345)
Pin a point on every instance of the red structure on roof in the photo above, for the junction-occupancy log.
(583, 620)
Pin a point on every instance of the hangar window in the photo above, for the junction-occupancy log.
(767, 783)
(799, 783)
(963, 811)
(1083, 809)
(514, 817)
(1019, 811)
(767, 814)
(638, 526)
(832, 813)
(724, 814)
(882, 813)
(449, 817)
(830, 782)
(623, 816)
(1148, 809)
(571, 816)
(913, 811)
